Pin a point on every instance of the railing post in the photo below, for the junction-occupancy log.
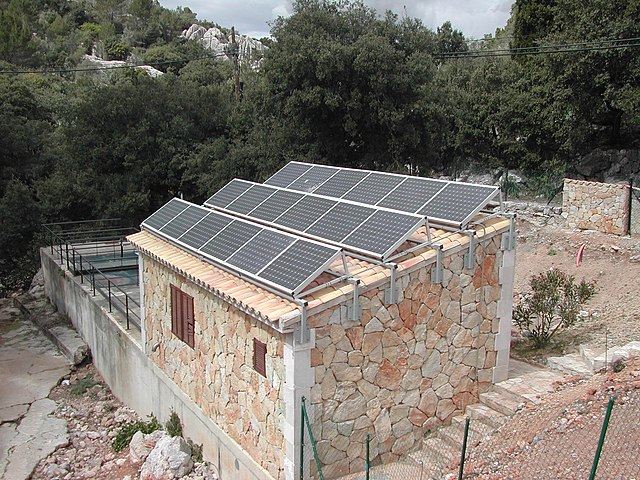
(302, 439)
(66, 247)
(61, 257)
(93, 281)
(603, 433)
(630, 205)
(73, 258)
(81, 271)
(464, 449)
(126, 304)
(109, 286)
(366, 465)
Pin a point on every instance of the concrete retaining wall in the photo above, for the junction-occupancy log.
(134, 379)
(596, 206)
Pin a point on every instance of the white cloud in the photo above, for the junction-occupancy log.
(473, 17)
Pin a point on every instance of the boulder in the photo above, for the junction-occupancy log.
(169, 459)
(141, 445)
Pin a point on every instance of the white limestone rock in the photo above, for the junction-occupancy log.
(219, 42)
(169, 459)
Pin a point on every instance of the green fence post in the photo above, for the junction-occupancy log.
(366, 465)
(302, 440)
(464, 449)
(603, 433)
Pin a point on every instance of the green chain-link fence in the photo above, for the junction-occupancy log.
(310, 466)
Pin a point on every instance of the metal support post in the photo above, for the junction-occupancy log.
(470, 256)
(81, 271)
(630, 206)
(126, 306)
(438, 274)
(302, 439)
(109, 287)
(391, 295)
(603, 433)
(367, 465)
(464, 449)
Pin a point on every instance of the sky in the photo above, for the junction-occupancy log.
(251, 17)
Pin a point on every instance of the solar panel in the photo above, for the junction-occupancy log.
(340, 183)
(457, 201)
(293, 267)
(229, 240)
(451, 203)
(228, 193)
(204, 230)
(411, 194)
(288, 174)
(304, 213)
(250, 199)
(260, 250)
(165, 213)
(183, 222)
(373, 188)
(243, 247)
(313, 177)
(276, 205)
(384, 231)
(340, 221)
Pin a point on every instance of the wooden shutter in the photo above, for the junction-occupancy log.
(182, 317)
(259, 357)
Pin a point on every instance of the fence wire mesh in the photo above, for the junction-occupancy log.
(557, 441)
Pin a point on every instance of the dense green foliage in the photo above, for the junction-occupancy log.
(553, 304)
(340, 84)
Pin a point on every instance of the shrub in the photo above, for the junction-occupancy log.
(553, 304)
(128, 430)
(173, 425)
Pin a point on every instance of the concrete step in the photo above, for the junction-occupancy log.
(435, 455)
(573, 364)
(501, 403)
(589, 354)
(484, 414)
(531, 386)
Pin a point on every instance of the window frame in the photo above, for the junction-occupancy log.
(182, 316)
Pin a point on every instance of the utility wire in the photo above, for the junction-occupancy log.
(109, 67)
(546, 49)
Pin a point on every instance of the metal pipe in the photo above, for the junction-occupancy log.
(126, 306)
(366, 465)
(109, 287)
(302, 439)
(603, 433)
(464, 449)
(630, 206)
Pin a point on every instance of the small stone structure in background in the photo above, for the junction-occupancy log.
(596, 206)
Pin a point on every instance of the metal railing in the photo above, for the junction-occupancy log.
(83, 246)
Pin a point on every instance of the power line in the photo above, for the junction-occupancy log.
(547, 49)
(109, 67)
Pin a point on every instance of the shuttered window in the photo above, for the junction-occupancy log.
(182, 322)
(259, 357)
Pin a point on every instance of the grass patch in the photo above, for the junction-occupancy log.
(80, 387)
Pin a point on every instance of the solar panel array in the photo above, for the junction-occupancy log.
(277, 259)
(360, 228)
(451, 203)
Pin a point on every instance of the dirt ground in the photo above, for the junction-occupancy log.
(612, 316)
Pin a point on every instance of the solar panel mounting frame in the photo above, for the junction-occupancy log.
(239, 272)
(495, 191)
(420, 221)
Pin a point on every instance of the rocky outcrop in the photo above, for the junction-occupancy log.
(107, 64)
(219, 42)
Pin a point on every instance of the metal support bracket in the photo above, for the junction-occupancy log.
(354, 309)
(470, 256)
(391, 293)
(302, 332)
(509, 238)
(438, 273)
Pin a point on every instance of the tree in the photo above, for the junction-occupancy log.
(352, 88)
(553, 304)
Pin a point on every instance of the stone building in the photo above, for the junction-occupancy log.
(389, 345)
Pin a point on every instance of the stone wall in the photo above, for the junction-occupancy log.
(596, 206)
(218, 373)
(402, 369)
